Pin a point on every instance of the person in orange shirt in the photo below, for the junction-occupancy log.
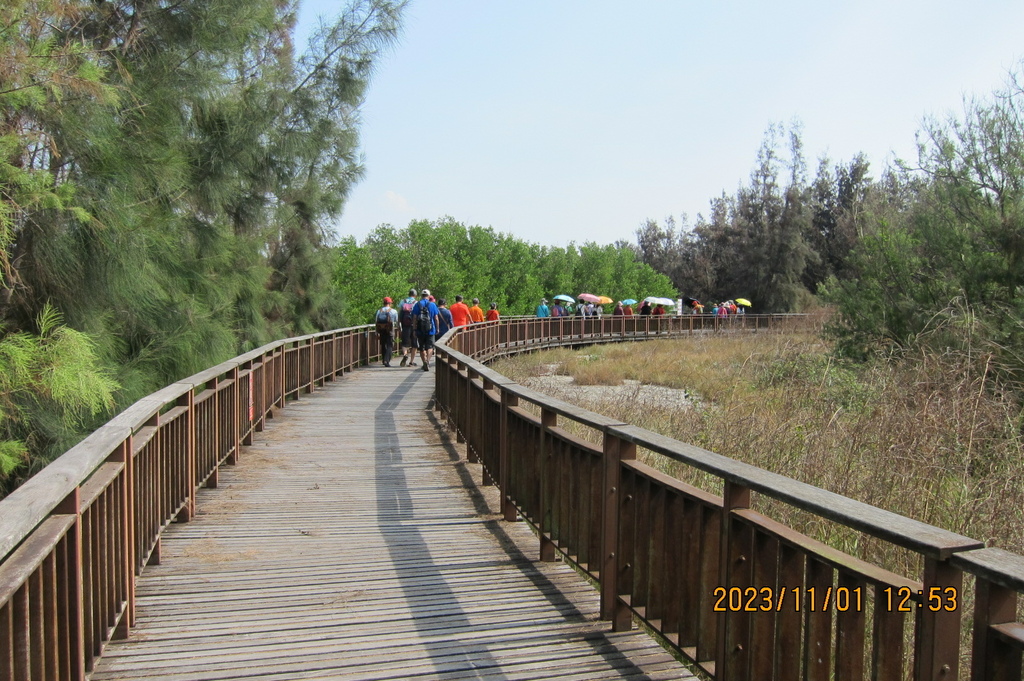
(475, 313)
(492, 314)
(460, 312)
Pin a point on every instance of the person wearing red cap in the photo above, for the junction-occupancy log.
(387, 321)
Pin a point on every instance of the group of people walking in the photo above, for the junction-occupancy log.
(417, 322)
(592, 310)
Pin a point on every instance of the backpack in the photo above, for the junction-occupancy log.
(424, 318)
(384, 324)
(405, 316)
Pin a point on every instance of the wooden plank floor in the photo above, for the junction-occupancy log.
(347, 545)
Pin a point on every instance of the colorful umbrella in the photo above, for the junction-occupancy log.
(744, 302)
(565, 298)
(589, 297)
(629, 301)
(604, 300)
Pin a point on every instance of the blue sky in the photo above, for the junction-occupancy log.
(570, 121)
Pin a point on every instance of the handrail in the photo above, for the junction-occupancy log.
(74, 537)
(733, 590)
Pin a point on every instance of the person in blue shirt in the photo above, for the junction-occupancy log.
(543, 310)
(425, 331)
(444, 318)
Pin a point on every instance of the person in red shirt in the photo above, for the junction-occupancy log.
(492, 314)
(460, 312)
(475, 313)
(659, 310)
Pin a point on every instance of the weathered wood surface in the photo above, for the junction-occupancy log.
(347, 545)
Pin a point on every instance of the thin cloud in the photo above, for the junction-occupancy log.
(397, 201)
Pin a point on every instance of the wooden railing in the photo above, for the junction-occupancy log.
(75, 536)
(731, 589)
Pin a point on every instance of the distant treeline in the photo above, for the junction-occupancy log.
(166, 170)
(930, 254)
(476, 262)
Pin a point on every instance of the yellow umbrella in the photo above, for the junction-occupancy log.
(744, 302)
(604, 300)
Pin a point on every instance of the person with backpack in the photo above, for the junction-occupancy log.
(492, 314)
(408, 329)
(386, 322)
(424, 314)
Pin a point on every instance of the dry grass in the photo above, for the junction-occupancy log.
(926, 437)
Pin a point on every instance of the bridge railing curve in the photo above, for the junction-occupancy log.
(74, 537)
(733, 590)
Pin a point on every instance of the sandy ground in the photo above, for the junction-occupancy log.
(566, 388)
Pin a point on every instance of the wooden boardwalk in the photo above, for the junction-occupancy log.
(350, 543)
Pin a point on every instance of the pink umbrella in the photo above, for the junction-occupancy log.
(589, 297)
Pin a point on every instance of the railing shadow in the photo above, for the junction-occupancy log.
(428, 593)
(526, 565)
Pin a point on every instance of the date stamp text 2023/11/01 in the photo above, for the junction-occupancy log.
(840, 599)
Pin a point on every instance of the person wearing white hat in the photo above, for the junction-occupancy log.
(425, 313)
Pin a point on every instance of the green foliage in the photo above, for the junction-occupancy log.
(773, 241)
(167, 172)
(943, 262)
(449, 258)
(51, 382)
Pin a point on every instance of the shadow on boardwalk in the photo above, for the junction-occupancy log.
(350, 543)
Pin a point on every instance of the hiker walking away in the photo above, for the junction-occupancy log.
(543, 310)
(425, 314)
(492, 314)
(444, 318)
(475, 312)
(460, 312)
(408, 330)
(386, 322)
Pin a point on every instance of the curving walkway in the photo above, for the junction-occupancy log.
(351, 543)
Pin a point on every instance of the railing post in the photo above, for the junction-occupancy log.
(508, 509)
(282, 375)
(483, 428)
(233, 418)
(123, 455)
(548, 419)
(250, 405)
(993, 604)
(189, 509)
(69, 568)
(311, 364)
(937, 641)
(614, 451)
(466, 425)
(732, 654)
(214, 478)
